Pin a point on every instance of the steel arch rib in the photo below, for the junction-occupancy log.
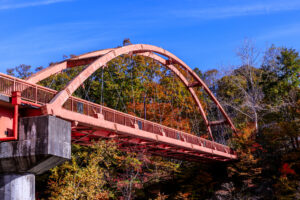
(58, 67)
(108, 55)
(185, 82)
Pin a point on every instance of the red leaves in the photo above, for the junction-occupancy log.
(255, 146)
(286, 169)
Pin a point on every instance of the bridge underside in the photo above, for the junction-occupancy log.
(129, 143)
(139, 142)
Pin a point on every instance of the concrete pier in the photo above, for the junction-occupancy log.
(44, 142)
(17, 187)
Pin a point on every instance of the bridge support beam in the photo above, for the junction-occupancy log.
(17, 186)
(44, 142)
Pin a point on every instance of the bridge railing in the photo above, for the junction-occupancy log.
(29, 92)
(42, 95)
(91, 109)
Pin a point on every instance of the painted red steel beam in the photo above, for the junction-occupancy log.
(175, 153)
(168, 153)
(112, 53)
(16, 101)
(165, 153)
(213, 123)
(181, 157)
(80, 116)
(194, 84)
(85, 61)
(90, 119)
(102, 57)
(136, 144)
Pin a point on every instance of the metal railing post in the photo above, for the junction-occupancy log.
(88, 108)
(14, 86)
(114, 117)
(36, 94)
(152, 127)
(72, 105)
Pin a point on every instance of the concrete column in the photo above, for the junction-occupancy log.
(44, 142)
(17, 187)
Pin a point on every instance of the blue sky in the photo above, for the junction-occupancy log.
(204, 34)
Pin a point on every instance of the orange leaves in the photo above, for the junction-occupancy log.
(247, 132)
(183, 196)
(102, 171)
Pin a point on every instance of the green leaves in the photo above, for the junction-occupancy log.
(101, 171)
(281, 76)
(22, 71)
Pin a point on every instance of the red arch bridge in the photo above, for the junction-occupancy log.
(27, 98)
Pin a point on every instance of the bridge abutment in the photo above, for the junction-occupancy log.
(44, 142)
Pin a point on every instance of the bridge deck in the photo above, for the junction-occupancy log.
(93, 121)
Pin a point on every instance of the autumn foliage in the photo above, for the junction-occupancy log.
(262, 99)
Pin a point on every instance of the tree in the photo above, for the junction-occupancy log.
(83, 177)
(102, 171)
(282, 92)
(22, 71)
(269, 97)
(263, 100)
(241, 90)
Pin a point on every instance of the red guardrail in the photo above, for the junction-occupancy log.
(42, 95)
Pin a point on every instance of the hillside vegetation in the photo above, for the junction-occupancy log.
(262, 96)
